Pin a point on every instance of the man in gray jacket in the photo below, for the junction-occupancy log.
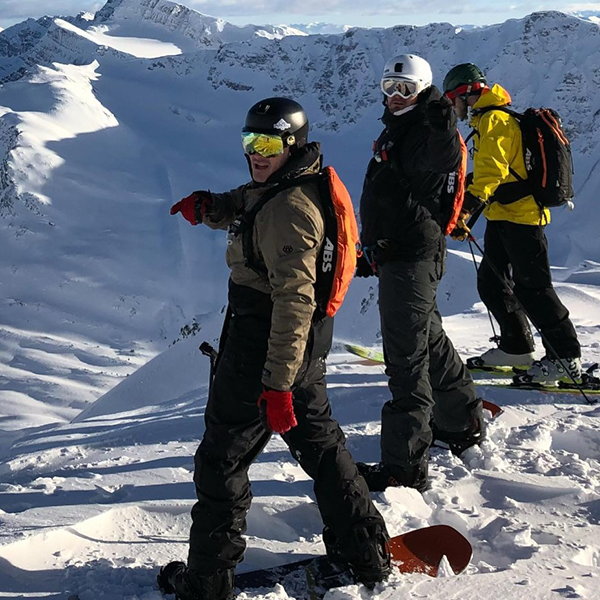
(270, 375)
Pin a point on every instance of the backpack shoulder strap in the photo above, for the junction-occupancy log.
(246, 224)
(513, 113)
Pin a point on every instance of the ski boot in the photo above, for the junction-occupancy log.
(551, 372)
(176, 578)
(364, 550)
(494, 358)
(458, 442)
(380, 476)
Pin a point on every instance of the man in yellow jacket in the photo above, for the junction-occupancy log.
(516, 247)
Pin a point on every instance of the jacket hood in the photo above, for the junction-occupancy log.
(494, 96)
(305, 159)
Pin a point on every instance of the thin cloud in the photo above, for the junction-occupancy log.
(16, 10)
(581, 6)
(331, 7)
(13, 11)
(365, 8)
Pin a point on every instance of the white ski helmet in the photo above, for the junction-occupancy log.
(409, 67)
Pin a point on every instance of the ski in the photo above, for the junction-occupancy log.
(545, 389)
(590, 384)
(476, 364)
(418, 551)
(376, 357)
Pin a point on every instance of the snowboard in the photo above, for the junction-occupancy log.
(418, 551)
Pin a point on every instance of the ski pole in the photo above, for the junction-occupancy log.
(470, 224)
(214, 355)
(209, 351)
(495, 337)
(548, 345)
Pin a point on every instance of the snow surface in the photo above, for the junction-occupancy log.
(104, 123)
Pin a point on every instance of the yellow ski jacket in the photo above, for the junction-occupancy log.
(498, 145)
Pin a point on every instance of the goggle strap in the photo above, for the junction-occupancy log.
(466, 89)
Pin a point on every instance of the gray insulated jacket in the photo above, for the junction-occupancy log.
(287, 237)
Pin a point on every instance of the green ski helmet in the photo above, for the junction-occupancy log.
(466, 75)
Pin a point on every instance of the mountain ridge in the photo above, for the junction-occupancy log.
(102, 130)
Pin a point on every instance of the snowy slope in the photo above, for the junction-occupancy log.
(94, 507)
(105, 121)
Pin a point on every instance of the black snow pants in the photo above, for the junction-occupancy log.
(429, 383)
(520, 255)
(234, 438)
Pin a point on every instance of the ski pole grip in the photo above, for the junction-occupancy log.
(208, 350)
(476, 214)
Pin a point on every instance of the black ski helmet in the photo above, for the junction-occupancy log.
(463, 74)
(279, 116)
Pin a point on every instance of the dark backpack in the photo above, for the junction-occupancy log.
(548, 160)
(337, 259)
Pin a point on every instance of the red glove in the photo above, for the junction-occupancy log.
(276, 411)
(189, 206)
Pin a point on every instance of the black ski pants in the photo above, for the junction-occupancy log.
(234, 438)
(429, 383)
(519, 254)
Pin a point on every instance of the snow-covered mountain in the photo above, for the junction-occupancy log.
(202, 29)
(319, 28)
(591, 15)
(105, 121)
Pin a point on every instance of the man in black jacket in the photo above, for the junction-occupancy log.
(433, 395)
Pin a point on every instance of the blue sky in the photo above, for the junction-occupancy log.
(382, 13)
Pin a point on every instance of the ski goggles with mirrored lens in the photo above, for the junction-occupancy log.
(404, 88)
(262, 143)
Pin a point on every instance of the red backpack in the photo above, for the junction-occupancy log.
(341, 246)
(453, 192)
(337, 261)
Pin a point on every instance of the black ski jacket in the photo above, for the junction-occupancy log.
(400, 199)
